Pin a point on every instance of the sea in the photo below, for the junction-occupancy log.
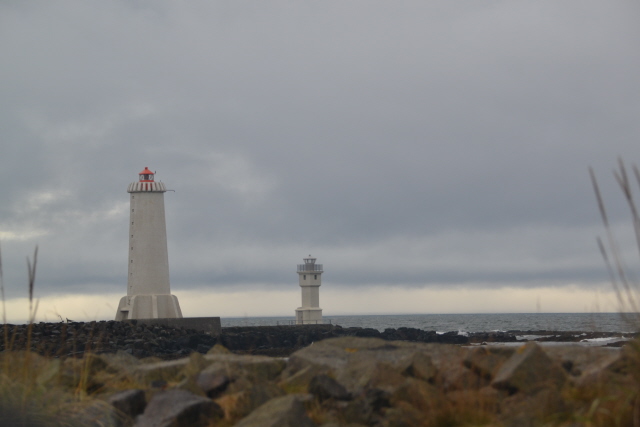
(583, 322)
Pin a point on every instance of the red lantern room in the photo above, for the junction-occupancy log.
(146, 175)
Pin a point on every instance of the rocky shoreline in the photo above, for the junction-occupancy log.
(115, 374)
(338, 382)
(73, 339)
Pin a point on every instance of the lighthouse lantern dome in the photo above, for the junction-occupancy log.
(146, 175)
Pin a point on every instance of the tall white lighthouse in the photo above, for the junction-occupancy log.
(148, 293)
(310, 279)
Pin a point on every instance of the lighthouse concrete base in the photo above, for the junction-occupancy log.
(308, 316)
(149, 307)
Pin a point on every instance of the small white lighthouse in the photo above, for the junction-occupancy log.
(310, 279)
(148, 293)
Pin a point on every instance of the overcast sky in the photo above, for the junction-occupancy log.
(432, 155)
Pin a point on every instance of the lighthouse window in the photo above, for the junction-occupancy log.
(315, 276)
(304, 277)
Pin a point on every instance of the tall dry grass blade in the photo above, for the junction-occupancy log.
(596, 189)
(4, 311)
(636, 173)
(625, 186)
(32, 280)
(612, 243)
(612, 275)
(32, 311)
(637, 218)
(4, 306)
(623, 181)
(32, 274)
(622, 178)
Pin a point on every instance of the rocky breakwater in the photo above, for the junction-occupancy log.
(284, 340)
(76, 338)
(348, 381)
(142, 340)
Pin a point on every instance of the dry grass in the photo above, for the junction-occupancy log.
(623, 281)
(618, 403)
(37, 391)
(25, 396)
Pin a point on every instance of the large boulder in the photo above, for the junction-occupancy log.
(285, 411)
(242, 403)
(251, 369)
(359, 362)
(129, 403)
(485, 361)
(179, 408)
(324, 387)
(610, 372)
(232, 366)
(528, 370)
(165, 371)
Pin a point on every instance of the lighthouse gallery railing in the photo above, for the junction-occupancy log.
(309, 267)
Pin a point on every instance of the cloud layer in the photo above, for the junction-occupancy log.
(415, 145)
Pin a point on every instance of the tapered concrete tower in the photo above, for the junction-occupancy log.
(148, 293)
(310, 279)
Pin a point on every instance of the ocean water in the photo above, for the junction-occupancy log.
(586, 322)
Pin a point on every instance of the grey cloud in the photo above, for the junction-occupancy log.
(330, 128)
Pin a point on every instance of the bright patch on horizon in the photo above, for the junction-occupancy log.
(335, 302)
(20, 235)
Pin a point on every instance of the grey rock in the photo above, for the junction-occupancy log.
(251, 398)
(159, 371)
(533, 409)
(360, 363)
(421, 367)
(212, 383)
(254, 368)
(285, 411)
(366, 408)
(485, 361)
(129, 402)
(580, 360)
(298, 381)
(416, 393)
(324, 387)
(528, 370)
(179, 408)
